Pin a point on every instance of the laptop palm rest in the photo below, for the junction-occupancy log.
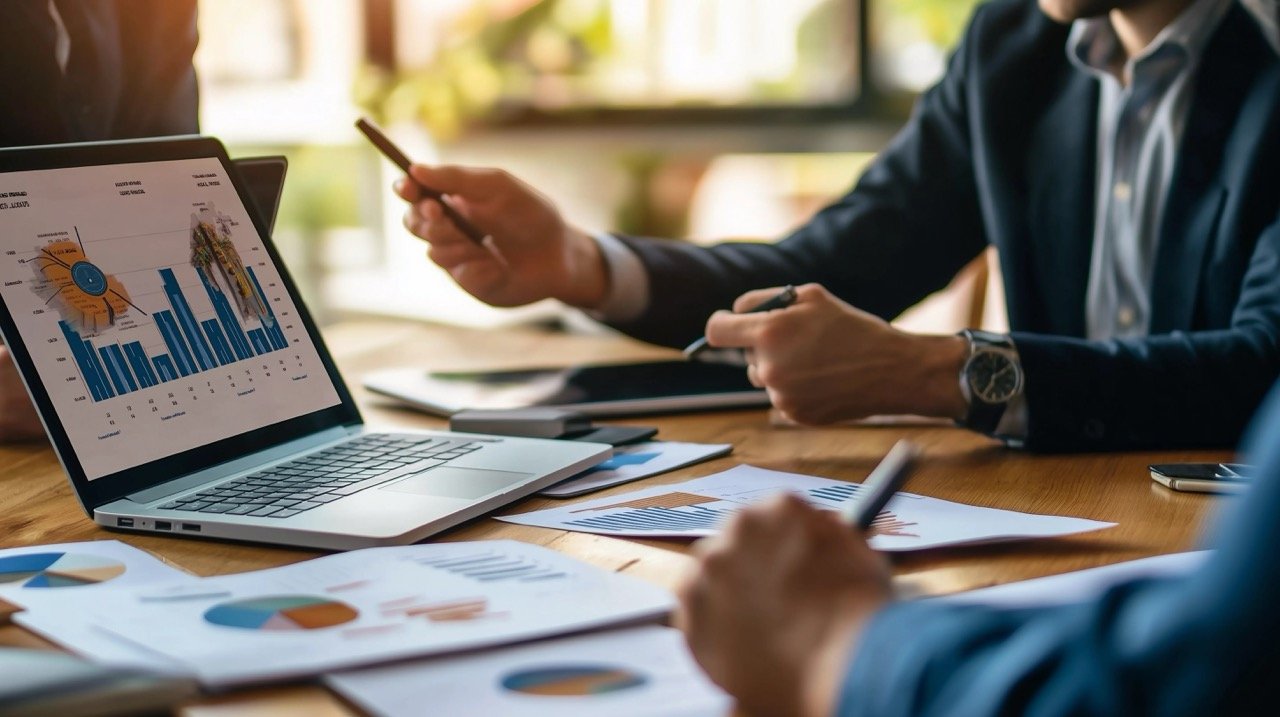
(464, 483)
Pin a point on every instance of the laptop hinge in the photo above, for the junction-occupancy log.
(251, 461)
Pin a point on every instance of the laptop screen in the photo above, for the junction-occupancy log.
(155, 317)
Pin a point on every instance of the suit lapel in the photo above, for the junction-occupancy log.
(1062, 167)
(1196, 196)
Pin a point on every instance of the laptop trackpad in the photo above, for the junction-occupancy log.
(465, 483)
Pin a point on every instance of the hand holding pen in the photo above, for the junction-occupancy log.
(500, 239)
(700, 349)
(822, 360)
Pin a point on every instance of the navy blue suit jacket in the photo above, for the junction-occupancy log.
(1002, 152)
(129, 73)
(1206, 644)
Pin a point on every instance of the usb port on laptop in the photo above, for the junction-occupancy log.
(124, 522)
(193, 527)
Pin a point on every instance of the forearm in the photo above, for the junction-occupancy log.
(684, 284)
(1201, 644)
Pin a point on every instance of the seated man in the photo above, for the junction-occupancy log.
(1125, 167)
(791, 613)
(89, 70)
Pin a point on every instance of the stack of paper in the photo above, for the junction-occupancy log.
(362, 607)
(52, 583)
(700, 507)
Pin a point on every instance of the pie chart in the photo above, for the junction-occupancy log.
(572, 680)
(58, 570)
(281, 613)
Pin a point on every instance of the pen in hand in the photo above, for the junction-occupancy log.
(401, 160)
(887, 478)
(781, 300)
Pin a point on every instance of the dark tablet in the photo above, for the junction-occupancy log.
(597, 390)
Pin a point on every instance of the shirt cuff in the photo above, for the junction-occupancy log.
(628, 295)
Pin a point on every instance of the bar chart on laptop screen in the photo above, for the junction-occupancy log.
(151, 308)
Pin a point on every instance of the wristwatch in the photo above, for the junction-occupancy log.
(990, 378)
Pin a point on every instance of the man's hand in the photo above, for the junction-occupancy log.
(822, 360)
(18, 419)
(775, 603)
(532, 254)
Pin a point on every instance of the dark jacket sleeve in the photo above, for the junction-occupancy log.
(911, 222)
(1150, 392)
(1200, 645)
(159, 96)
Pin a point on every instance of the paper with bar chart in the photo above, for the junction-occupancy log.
(631, 672)
(152, 311)
(368, 606)
(640, 460)
(700, 507)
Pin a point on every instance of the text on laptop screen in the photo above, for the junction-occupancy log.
(155, 317)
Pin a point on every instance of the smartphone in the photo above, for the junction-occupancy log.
(1203, 477)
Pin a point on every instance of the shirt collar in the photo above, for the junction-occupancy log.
(1093, 46)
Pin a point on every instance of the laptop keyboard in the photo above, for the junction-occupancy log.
(317, 479)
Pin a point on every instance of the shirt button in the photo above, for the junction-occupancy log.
(1122, 191)
(1125, 317)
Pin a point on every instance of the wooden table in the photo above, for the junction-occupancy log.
(37, 505)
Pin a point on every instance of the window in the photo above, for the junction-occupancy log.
(712, 101)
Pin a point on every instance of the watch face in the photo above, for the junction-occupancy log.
(993, 377)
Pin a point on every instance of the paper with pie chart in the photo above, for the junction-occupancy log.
(635, 672)
(369, 606)
(43, 587)
(641, 460)
(700, 507)
(32, 576)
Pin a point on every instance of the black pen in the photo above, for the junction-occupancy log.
(887, 478)
(398, 158)
(781, 300)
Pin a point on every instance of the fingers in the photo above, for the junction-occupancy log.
(427, 220)
(406, 190)
(452, 179)
(726, 329)
(759, 528)
(754, 298)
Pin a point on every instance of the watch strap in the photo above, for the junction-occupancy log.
(982, 416)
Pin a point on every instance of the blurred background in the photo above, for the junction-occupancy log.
(698, 119)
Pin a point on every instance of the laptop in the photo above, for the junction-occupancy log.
(182, 381)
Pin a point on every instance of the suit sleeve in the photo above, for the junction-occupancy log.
(1199, 645)
(160, 96)
(911, 222)
(1151, 392)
